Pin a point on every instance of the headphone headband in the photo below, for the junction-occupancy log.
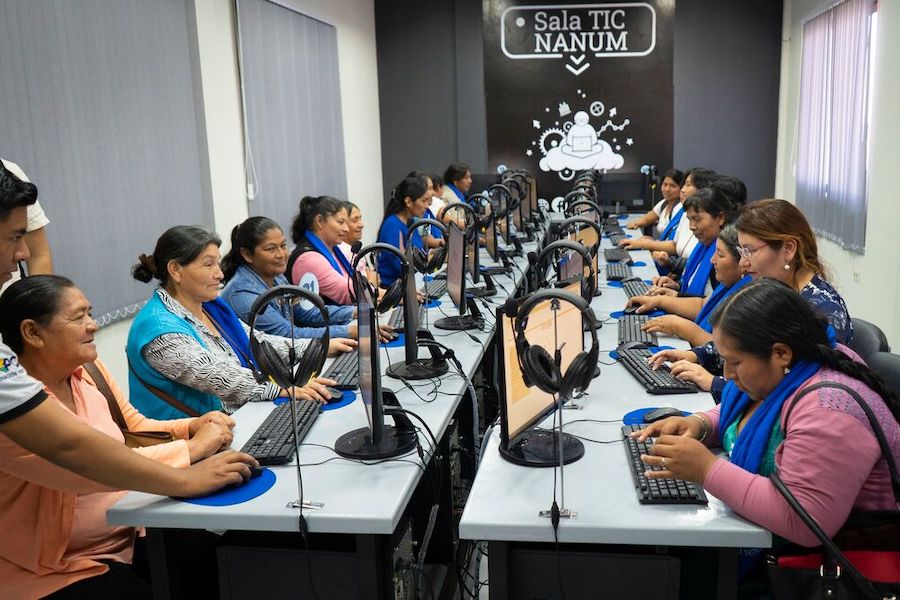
(576, 220)
(379, 247)
(421, 223)
(582, 202)
(394, 293)
(587, 286)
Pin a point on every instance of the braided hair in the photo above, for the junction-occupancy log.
(766, 312)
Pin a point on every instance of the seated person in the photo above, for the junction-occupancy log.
(317, 263)
(187, 345)
(54, 521)
(688, 317)
(774, 345)
(776, 242)
(408, 203)
(437, 197)
(355, 228)
(256, 263)
(436, 239)
(679, 242)
(666, 210)
(457, 182)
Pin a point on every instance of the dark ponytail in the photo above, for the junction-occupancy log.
(412, 188)
(182, 243)
(310, 208)
(767, 312)
(247, 236)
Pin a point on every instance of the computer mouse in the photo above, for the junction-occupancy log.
(662, 412)
(256, 472)
(629, 310)
(632, 346)
(335, 394)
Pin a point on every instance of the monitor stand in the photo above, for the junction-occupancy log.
(489, 288)
(539, 449)
(421, 368)
(461, 322)
(396, 440)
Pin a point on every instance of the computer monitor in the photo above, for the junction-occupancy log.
(522, 407)
(377, 440)
(456, 281)
(490, 240)
(571, 267)
(472, 257)
(587, 237)
(412, 367)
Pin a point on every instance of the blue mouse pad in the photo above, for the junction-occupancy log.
(618, 284)
(235, 494)
(653, 350)
(636, 417)
(638, 263)
(622, 217)
(433, 303)
(618, 314)
(427, 278)
(399, 341)
(347, 398)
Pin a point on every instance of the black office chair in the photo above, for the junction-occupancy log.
(887, 365)
(868, 339)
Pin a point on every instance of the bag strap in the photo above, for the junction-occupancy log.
(873, 422)
(103, 388)
(164, 396)
(835, 556)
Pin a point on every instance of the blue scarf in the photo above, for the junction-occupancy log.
(334, 256)
(459, 194)
(669, 232)
(720, 293)
(696, 272)
(229, 326)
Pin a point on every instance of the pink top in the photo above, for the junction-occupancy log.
(830, 460)
(334, 287)
(53, 521)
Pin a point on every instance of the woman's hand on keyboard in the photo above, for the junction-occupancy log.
(644, 303)
(665, 324)
(681, 457)
(340, 345)
(669, 426)
(314, 390)
(659, 358)
(693, 373)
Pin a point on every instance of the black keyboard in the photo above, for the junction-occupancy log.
(273, 443)
(657, 491)
(618, 271)
(345, 371)
(636, 287)
(630, 330)
(397, 320)
(617, 255)
(659, 381)
(615, 238)
(436, 288)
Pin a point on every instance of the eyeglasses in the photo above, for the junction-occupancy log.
(748, 253)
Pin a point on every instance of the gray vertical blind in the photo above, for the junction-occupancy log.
(292, 108)
(98, 106)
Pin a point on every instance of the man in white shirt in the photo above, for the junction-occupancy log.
(40, 260)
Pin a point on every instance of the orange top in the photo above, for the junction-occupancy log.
(54, 521)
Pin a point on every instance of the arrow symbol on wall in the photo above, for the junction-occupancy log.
(579, 70)
(577, 59)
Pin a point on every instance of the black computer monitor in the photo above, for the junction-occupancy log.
(456, 281)
(412, 367)
(472, 257)
(377, 440)
(522, 407)
(490, 240)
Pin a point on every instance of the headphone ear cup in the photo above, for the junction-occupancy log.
(313, 359)
(541, 368)
(420, 260)
(270, 362)
(578, 376)
(392, 296)
(437, 259)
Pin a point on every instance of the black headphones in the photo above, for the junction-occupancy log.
(483, 208)
(503, 195)
(584, 205)
(575, 196)
(556, 248)
(394, 293)
(420, 259)
(520, 191)
(575, 223)
(268, 359)
(541, 369)
(471, 219)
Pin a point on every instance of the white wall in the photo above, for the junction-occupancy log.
(355, 23)
(870, 283)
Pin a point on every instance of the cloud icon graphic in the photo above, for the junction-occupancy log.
(601, 157)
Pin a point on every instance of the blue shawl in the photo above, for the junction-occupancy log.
(720, 293)
(669, 232)
(230, 328)
(459, 194)
(696, 272)
(334, 256)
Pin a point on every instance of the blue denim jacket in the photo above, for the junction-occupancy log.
(246, 286)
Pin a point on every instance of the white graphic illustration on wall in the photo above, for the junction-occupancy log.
(578, 144)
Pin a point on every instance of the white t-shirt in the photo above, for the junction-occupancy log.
(664, 216)
(36, 216)
(19, 393)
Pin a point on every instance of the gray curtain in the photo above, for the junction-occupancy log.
(292, 109)
(98, 107)
(833, 122)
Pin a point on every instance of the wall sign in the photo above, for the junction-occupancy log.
(578, 86)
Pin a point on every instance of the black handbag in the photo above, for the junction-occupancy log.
(868, 536)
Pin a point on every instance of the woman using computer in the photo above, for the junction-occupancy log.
(775, 242)
(256, 263)
(666, 210)
(56, 538)
(775, 346)
(188, 345)
(688, 317)
(457, 182)
(408, 203)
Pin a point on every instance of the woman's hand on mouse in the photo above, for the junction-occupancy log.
(681, 457)
(643, 303)
(670, 426)
(208, 439)
(662, 356)
(693, 373)
(313, 390)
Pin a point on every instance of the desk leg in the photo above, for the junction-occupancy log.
(498, 570)
(371, 570)
(727, 580)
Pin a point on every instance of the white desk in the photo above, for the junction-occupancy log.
(505, 499)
